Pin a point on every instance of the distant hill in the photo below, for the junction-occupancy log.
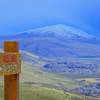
(57, 41)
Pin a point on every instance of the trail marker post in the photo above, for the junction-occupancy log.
(10, 67)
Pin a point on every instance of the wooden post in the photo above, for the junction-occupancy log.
(11, 82)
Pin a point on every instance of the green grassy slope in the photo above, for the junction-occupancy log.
(36, 75)
(40, 91)
(41, 87)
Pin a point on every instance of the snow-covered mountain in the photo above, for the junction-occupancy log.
(53, 31)
(57, 41)
(62, 30)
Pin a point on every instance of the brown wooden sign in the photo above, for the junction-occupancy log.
(9, 63)
(10, 67)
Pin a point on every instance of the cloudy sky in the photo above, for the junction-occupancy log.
(21, 15)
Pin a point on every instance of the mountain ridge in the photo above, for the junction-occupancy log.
(58, 29)
(52, 41)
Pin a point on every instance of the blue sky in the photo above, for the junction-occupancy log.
(21, 15)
